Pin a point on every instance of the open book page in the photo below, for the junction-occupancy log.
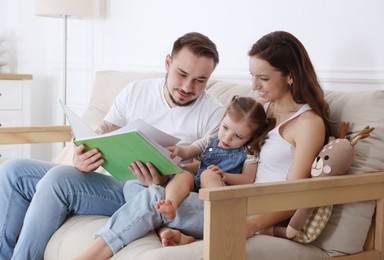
(136, 142)
(160, 147)
(80, 129)
(150, 132)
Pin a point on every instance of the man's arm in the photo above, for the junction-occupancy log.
(106, 127)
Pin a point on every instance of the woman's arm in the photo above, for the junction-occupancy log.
(247, 175)
(308, 139)
(257, 223)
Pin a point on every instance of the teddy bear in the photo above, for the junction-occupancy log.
(334, 159)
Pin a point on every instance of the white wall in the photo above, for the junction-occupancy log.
(344, 38)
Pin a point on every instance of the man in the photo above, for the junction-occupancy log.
(39, 196)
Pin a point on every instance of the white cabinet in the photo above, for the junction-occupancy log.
(15, 110)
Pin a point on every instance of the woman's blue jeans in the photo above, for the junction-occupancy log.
(36, 197)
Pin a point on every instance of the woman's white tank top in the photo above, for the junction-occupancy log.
(276, 154)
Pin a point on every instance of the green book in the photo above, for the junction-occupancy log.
(136, 142)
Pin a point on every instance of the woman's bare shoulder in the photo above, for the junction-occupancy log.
(310, 125)
(309, 117)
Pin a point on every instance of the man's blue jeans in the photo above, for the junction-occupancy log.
(36, 197)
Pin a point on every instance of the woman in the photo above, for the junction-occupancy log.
(283, 76)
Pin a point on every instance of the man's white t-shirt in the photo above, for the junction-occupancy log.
(145, 100)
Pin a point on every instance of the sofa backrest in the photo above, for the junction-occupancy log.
(106, 86)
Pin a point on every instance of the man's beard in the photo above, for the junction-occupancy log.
(174, 101)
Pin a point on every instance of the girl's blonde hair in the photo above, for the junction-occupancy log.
(248, 109)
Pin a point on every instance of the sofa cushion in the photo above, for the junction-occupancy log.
(264, 247)
(361, 108)
(107, 85)
(348, 226)
(77, 233)
(224, 91)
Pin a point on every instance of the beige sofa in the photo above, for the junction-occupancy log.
(355, 227)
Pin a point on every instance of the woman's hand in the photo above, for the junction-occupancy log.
(87, 161)
(251, 227)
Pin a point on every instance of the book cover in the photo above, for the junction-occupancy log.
(135, 142)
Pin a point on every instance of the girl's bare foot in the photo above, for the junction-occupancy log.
(173, 237)
(166, 208)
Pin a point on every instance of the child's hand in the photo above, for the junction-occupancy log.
(175, 151)
(218, 171)
(214, 168)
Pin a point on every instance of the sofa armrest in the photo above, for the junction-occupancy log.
(35, 134)
(225, 208)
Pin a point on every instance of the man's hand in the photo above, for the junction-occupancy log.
(87, 161)
(147, 174)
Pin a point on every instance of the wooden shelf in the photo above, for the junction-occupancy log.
(35, 134)
(9, 76)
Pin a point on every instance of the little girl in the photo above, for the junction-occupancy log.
(229, 158)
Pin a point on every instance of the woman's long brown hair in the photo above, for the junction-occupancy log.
(287, 54)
